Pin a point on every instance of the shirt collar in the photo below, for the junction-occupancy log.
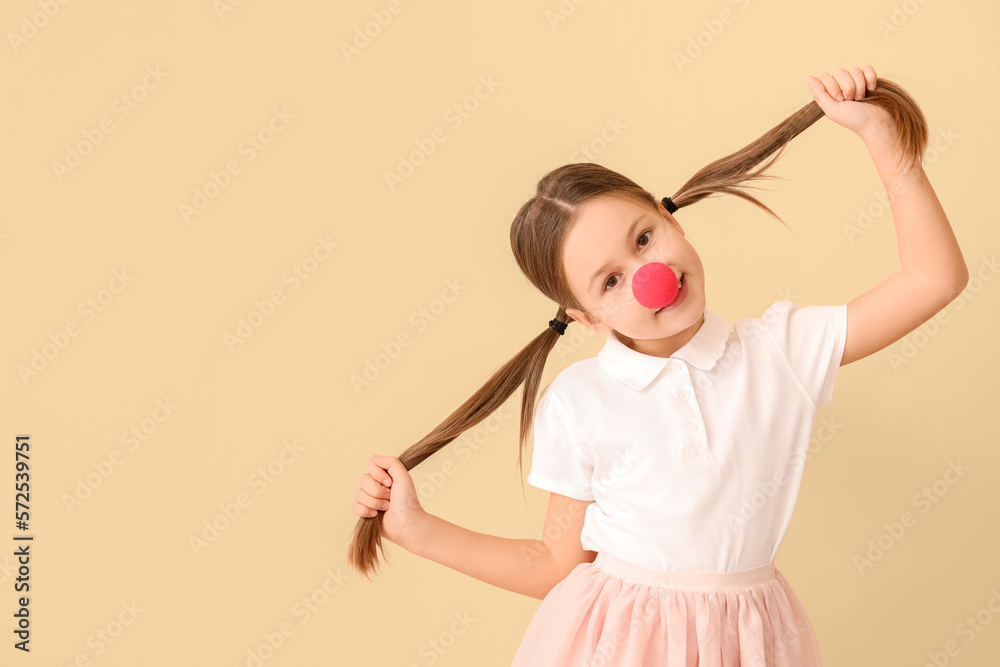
(637, 370)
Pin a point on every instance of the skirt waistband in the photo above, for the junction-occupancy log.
(687, 581)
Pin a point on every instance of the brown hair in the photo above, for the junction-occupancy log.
(536, 238)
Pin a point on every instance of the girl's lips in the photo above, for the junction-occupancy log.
(681, 293)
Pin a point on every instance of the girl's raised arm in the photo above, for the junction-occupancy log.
(932, 270)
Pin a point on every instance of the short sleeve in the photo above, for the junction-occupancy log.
(812, 339)
(560, 461)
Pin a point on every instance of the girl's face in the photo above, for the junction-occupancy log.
(602, 251)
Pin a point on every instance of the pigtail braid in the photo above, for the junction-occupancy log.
(726, 174)
(525, 368)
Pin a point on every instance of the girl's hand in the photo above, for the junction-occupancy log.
(388, 486)
(839, 97)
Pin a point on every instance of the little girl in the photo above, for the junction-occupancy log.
(673, 458)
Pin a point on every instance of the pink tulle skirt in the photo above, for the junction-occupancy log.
(611, 614)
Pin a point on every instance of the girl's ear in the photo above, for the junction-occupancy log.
(588, 320)
(671, 220)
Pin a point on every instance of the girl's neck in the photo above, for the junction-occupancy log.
(663, 347)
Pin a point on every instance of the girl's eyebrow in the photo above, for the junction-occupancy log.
(628, 237)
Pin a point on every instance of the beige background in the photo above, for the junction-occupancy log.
(320, 175)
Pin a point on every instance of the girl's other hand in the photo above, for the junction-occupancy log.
(388, 486)
(839, 96)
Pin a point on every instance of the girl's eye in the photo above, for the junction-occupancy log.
(610, 278)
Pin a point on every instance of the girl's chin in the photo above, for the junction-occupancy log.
(664, 323)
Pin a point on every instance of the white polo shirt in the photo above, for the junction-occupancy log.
(694, 460)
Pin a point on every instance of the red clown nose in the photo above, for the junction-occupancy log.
(654, 285)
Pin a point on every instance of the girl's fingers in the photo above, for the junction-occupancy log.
(371, 503)
(858, 77)
(848, 84)
(363, 511)
(377, 472)
(848, 87)
(870, 76)
(373, 488)
(831, 86)
(392, 465)
(823, 99)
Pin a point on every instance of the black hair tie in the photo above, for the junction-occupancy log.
(669, 203)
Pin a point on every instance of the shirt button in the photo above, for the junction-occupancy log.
(685, 395)
(675, 367)
(693, 425)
